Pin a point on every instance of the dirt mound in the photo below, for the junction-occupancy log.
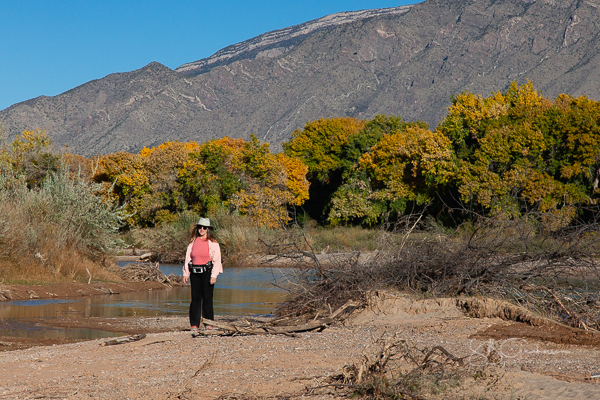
(528, 325)
(558, 334)
(388, 308)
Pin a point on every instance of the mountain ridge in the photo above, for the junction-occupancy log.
(281, 40)
(408, 64)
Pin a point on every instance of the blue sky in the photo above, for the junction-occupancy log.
(48, 47)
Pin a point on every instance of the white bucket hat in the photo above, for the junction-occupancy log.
(205, 222)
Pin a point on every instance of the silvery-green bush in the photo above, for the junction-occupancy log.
(64, 212)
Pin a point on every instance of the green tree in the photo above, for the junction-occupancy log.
(331, 149)
(320, 145)
(373, 131)
(406, 166)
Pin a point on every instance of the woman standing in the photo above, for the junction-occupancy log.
(201, 268)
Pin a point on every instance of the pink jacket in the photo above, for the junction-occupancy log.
(214, 251)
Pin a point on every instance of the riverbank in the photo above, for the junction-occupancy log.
(169, 363)
(70, 290)
(63, 290)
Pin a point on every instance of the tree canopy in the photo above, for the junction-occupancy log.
(507, 154)
(241, 176)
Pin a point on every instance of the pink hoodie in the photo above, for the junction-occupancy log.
(214, 251)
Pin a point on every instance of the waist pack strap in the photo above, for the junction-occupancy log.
(200, 269)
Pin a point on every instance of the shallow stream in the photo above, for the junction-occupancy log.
(239, 291)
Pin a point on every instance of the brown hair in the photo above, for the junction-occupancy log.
(194, 234)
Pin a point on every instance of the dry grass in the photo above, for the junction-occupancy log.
(67, 267)
(240, 237)
(237, 235)
(345, 238)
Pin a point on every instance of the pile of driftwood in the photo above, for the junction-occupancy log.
(274, 327)
(147, 272)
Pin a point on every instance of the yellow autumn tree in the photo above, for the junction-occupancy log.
(243, 176)
(519, 152)
(162, 165)
(271, 182)
(320, 144)
(126, 182)
(30, 154)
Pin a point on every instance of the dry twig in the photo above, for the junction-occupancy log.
(180, 394)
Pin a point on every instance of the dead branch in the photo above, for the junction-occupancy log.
(495, 258)
(446, 353)
(383, 369)
(268, 330)
(409, 232)
(185, 389)
(569, 314)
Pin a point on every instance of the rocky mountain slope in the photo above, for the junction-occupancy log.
(406, 62)
(275, 43)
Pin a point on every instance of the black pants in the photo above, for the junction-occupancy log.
(202, 298)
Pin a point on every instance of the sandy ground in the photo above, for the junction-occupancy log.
(169, 363)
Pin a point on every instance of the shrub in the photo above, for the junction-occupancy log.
(57, 229)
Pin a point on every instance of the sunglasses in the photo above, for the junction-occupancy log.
(202, 227)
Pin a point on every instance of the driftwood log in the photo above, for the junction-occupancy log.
(318, 325)
(124, 339)
(265, 329)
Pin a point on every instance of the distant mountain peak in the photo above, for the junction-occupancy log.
(156, 65)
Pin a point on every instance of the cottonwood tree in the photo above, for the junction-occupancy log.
(406, 166)
(519, 151)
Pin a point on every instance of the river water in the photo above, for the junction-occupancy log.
(238, 291)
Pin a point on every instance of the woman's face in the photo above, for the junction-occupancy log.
(202, 231)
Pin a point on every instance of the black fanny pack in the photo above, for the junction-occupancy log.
(200, 269)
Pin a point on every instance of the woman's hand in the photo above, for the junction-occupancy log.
(185, 280)
(213, 280)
